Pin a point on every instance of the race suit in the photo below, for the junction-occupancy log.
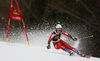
(60, 44)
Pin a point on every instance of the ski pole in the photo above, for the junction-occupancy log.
(85, 37)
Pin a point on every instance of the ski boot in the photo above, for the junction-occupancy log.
(85, 56)
(70, 53)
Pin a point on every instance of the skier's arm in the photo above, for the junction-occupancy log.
(49, 41)
(50, 38)
(66, 34)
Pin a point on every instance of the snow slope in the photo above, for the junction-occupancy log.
(15, 52)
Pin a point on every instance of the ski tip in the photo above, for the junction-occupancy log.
(87, 56)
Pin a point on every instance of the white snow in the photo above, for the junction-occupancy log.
(16, 52)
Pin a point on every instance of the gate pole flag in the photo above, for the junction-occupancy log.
(17, 15)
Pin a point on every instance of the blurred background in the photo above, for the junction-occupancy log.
(79, 18)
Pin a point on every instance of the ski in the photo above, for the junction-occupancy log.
(87, 56)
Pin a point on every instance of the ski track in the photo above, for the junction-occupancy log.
(17, 52)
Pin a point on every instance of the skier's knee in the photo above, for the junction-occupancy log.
(75, 50)
(57, 47)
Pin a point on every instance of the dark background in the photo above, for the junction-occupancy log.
(70, 13)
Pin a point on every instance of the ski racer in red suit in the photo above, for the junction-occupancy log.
(60, 44)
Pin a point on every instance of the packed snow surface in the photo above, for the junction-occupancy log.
(17, 52)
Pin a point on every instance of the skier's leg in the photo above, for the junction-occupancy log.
(69, 51)
(59, 46)
(64, 46)
(81, 54)
(68, 48)
(78, 52)
(56, 45)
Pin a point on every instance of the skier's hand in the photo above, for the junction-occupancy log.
(48, 47)
(74, 39)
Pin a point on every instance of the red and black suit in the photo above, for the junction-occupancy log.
(60, 44)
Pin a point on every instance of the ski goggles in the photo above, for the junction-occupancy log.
(58, 29)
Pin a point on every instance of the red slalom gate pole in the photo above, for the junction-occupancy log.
(9, 21)
(8, 31)
(16, 17)
(25, 31)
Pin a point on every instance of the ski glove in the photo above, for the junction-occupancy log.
(74, 39)
(48, 47)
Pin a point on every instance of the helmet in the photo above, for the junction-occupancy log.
(58, 27)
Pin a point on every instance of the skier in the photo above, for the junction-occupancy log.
(60, 44)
